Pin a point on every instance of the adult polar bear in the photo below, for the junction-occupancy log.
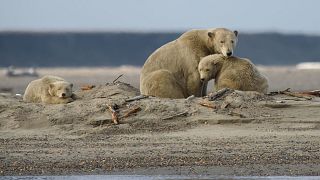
(171, 71)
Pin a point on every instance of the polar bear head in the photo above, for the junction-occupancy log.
(209, 67)
(223, 41)
(60, 89)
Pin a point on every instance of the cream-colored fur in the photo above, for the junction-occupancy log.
(49, 89)
(171, 71)
(232, 72)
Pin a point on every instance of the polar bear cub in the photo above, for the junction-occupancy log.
(232, 72)
(49, 89)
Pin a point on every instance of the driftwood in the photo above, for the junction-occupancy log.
(312, 93)
(278, 92)
(114, 114)
(298, 95)
(293, 94)
(216, 95)
(176, 115)
(136, 98)
(117, 78)
(109, 95)
(131, 111)
(87, 87)
(208, 105)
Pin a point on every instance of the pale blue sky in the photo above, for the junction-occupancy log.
(288, 16)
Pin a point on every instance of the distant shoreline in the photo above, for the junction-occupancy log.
(51, 49)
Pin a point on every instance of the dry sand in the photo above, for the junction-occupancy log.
(246, 134)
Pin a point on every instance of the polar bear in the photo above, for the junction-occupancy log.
(49, 89)
(171, 71)
(232, 72)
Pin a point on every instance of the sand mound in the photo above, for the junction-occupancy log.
(90, 114)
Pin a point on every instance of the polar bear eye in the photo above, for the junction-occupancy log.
(221, 42)
(232, 41)
(207, 70)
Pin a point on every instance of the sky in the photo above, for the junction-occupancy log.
(285, 16)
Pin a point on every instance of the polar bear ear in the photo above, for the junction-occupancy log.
(211, 34)
(236, 33)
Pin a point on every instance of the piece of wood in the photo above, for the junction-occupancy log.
(293, 94)
(117, 78)
(114, 114)
(176, 115)
(297, 95)
(114, 94)
(216, 95)
(108, 95)
(312, 93)
(208, 105)
(87, 87)
(132, 111)
(136, 98)
(278, 92)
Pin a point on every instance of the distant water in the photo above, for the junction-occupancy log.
(137, 177)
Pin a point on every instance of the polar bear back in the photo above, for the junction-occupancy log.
(243, 74)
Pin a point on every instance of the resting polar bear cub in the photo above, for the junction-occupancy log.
(232, 72)
(171, 71)
(49, 89)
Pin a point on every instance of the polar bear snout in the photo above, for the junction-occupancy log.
(204, 77)
(62, 90)
(66, 93)
(227, 52)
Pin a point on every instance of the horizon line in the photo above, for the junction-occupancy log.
(44, 31)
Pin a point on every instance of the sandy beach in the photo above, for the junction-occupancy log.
(244, 134)
(279, 77)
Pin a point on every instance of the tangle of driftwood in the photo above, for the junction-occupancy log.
(131, 111)
(306, 95)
